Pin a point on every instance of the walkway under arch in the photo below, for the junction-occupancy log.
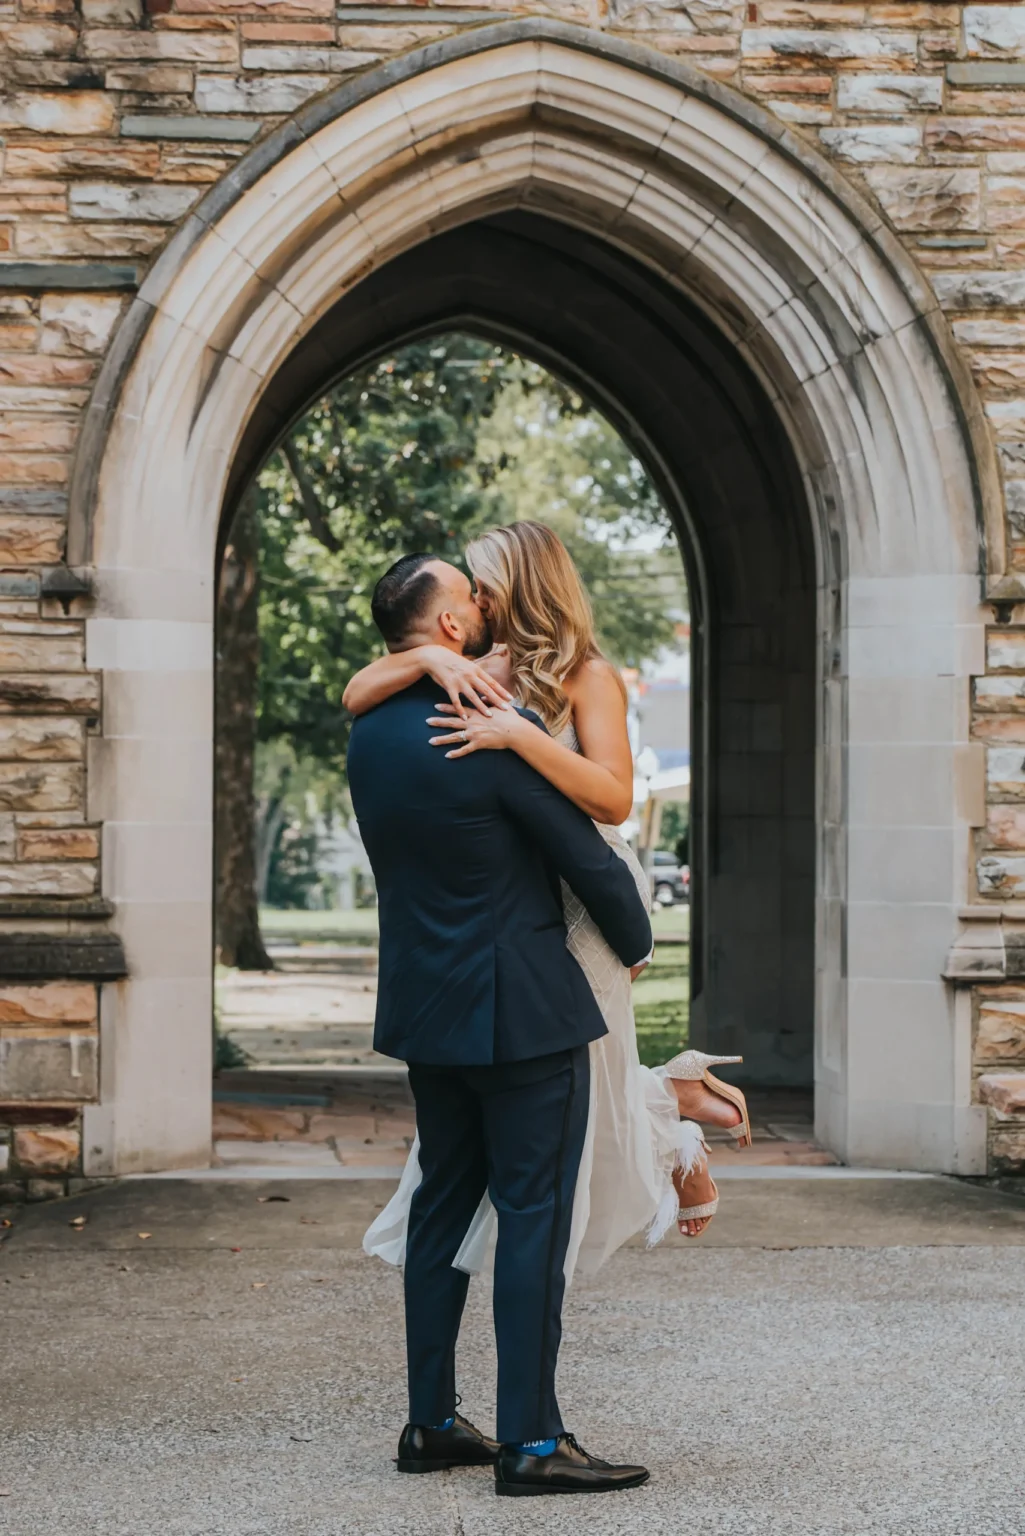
(836, 369)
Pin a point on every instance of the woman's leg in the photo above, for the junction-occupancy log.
(694, 1188)
(697, 1102)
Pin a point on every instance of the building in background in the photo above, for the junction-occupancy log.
(785, 242)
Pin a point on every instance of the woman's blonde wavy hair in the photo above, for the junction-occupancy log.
(539, 609)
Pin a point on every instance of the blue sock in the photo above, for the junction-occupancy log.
(535, 1447)
(447, 1424)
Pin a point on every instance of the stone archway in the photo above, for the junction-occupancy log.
(827, 314)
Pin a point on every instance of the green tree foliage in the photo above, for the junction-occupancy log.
(558, 461)
(418, 451)
(674, 832)
(387, 463)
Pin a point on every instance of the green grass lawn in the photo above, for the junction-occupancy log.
(360, 924)
(662, 1003)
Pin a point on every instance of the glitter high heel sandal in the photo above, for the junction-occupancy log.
(693, 1066)
(703, 1212)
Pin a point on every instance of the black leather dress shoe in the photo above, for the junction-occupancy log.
(569, 1469)
(432, 1450)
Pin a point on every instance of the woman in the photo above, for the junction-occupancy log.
(642, 1166)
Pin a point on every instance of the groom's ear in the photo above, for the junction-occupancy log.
(450, 626)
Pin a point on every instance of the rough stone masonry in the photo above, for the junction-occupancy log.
(117, 115)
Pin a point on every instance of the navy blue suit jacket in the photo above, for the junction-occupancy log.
(467, 856)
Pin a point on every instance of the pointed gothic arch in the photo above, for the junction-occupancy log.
(795, 274)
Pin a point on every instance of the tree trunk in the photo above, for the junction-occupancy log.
(237, 919)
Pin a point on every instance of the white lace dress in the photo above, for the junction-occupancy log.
(635, 1138)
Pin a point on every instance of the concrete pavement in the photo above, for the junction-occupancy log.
(838, 1357)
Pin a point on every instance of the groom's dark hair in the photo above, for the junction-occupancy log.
(402, 595)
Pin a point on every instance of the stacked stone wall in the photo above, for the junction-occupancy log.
(116, 116)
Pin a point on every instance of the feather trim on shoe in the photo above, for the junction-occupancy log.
(690, 1154)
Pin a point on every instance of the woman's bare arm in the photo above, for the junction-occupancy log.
(599, 778)
(456, 674)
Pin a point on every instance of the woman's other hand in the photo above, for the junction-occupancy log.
(635, 970)
(461, 679)
(488, 731)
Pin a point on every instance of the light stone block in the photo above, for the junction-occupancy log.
(281, 93)
(179, 709)
(885, 601)
(78, 324)
(111, 12)
(906, 941)
(167, 939)
(1005, 772)
(1005, 650)
(805, 114)
(140, 780)
(158, 863)
(994, 31)
(43, 786)
(900, 864)
(902, 650)
(185, 47)
(156, 1109)
(64, 113)
(112, 200)
(900, 786)
(890, 94)
(875, 143)
(286, 60)
(148, 645)
(1001, 875)
(919, 1137)
(920, 199)
(41, 738)
(900, 1047)
(30, 879)
(47, 1066)
(980, 290)
(777, 45)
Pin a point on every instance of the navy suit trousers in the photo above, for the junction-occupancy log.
(516, 1129)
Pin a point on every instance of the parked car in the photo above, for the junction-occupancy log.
(670, 882)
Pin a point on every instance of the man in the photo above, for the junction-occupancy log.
(479, 994)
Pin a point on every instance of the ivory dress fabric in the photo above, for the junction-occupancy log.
(635, 1137)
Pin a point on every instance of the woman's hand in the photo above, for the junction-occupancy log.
(459, 676)
(635, 970)
(493, 729)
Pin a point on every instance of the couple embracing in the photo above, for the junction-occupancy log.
(513, 919)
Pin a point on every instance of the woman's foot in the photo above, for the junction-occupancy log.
(693, 1189)
(698, 1102)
